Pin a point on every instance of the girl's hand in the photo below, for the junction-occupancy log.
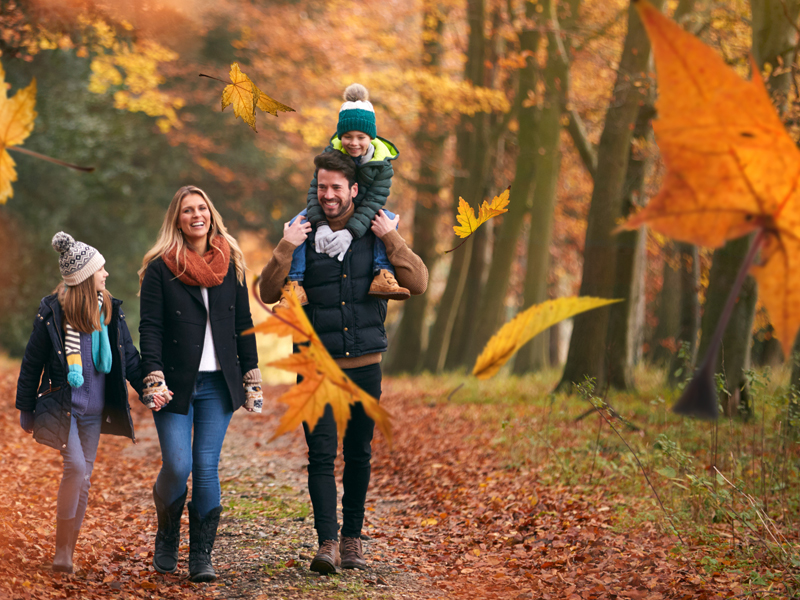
(160, 401)
(26, 420)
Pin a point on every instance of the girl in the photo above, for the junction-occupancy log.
(81, 343)
(194, 307)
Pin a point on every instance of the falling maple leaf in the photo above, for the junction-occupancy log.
(731, 166)
(323, 381)
(16, 123)
(245, 97)
(527, 325)
(468, 223)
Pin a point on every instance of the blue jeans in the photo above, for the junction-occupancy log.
(79, 456)
(209, 414)
(379, 258)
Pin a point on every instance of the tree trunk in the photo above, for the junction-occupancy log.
(690, 311)
(668, 310)
(588, 349)
(508, 230)
(535, 355)
(774, 43)
(406, 351)
(467, 183)
(626, 320)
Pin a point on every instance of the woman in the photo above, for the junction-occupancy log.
(194, 307)
(81, 352)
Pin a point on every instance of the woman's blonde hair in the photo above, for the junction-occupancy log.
(169, 235)
(79, 305)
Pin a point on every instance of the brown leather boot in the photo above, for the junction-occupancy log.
(65, 533)
(384, 285)
(352, 554)
(298, 290)
(327, 559)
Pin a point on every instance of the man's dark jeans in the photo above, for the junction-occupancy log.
(322, 447)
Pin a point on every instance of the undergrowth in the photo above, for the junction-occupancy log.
(728, 487)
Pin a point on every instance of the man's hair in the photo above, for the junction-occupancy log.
(336, 161)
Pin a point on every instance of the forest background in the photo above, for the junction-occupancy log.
(553, 98)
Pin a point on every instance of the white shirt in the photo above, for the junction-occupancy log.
(208, 361)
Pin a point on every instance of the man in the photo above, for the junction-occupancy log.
(350, 323)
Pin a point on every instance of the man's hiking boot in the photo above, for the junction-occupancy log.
(384, 285)
(298, 290)
(352, 554)
(327, 559)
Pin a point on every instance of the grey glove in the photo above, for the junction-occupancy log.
(338, 243)
(321, 238)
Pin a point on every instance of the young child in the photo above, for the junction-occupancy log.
(71, 383)
(356, 136)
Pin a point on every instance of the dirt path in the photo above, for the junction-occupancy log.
(448, 516)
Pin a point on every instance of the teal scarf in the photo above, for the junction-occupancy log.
(101, 347)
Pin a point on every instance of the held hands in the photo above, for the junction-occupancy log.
(156, 394)
(296, 232)
(321, 239)
(382, 224)
(254, 400)
(338, 243)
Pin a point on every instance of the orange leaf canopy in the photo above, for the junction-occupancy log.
(16, 123)
(731, 166)
(323, 381)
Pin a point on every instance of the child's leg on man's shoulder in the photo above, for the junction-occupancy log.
(297, 271)
(380, 260)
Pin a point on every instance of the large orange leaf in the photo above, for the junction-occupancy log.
(527, 325)
(323, 381)
(16, 123)
(245, 97)
(731, 166)
(469, 223)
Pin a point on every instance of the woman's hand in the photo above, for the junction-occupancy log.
(156, 395)
(382, 224)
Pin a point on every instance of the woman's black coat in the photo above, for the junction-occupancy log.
(42, 385)
(172, 329)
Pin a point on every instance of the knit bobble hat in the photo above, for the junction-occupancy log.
(78, 261)
(357, 113)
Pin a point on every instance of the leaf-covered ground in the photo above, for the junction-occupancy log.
(449, 514)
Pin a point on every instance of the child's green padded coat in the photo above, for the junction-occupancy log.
(374, 181)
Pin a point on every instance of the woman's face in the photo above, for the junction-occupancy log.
(194, 218)
(100, 279)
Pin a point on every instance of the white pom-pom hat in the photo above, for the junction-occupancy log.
(78, 261)
(357, 113)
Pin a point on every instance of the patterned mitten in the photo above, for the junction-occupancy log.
(154, 385)
(254, 400)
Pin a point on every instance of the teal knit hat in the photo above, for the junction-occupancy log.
(357, 113)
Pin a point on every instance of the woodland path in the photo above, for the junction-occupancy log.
(449, 515)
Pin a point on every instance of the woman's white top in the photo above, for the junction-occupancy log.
(208, 361)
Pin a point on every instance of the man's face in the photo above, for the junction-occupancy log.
(334, 194)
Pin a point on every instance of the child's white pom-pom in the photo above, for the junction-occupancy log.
(62, 242)
(355, 92)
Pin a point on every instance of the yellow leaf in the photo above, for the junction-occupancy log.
(466, 216)
(16, 123)
(525, 326)
(271, 106)
(323, 381)
(243, 94)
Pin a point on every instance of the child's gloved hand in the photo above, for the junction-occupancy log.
(321, 238)
(338, 243)
(26, 420)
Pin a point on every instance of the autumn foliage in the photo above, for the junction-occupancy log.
(16, 123)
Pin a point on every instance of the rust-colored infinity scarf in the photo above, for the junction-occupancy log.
(205, 271)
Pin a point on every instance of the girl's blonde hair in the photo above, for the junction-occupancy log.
(79, 305)
(169, 235)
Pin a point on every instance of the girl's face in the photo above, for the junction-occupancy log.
(355, 143)
(194, 218)
(100, 279)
